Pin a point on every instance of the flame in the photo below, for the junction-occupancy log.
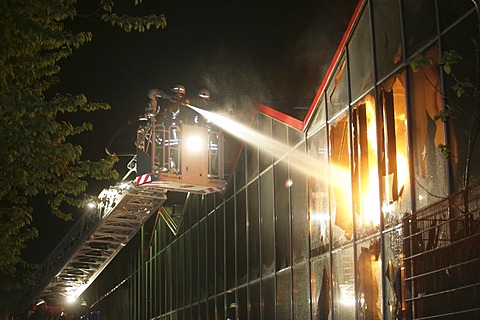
(370, 205)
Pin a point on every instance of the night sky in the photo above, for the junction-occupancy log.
(243, 51)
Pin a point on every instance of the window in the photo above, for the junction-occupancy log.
(241, 233)
(365, 181)
(360, 57)
(340, 182)
(282, 214)
(318, 119)
(230, 242)
(318, 193)
(220, 254)
(337, 91)
(369, 279)
(267, 223)
(388, 39)
(420, 23)
(343, 274)
(428, 134)
(321, 284)
(299, 208)
(394, 172)
(464, 119)
(253, 231)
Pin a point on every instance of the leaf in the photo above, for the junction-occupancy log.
(447, 68)
(444, 149)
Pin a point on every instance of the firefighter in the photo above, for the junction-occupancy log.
(202, 101)
(41, 312)
(172, 117)
(84, 310)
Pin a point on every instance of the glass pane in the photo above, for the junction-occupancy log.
(211, 308)
(241, 224)
(318, 191)
(369, 280)
(340, 188)
(268, 298)
(220, 254)
(343, 275)
(240, 171)
(231, 304)
(253, 231)
(194, 209)
(229, 190)
(320, 281)
(450, 11)
(282, 214)
(266, 216)
(181, 271)
(194, 263)
(360, 57)
(394, 182)
(388, 38)
(194, 311)
(284, 292)
(394, 274)
(420, 25)
(426, 102)
(365, 182)
(187, 313)
(202, 311)
(463, 120)
(280, 132)
(230, 242)
(301, 293)
(242, 306)
(210, 200)
(202, 208)
(220, 307)
(252, 161)
(211, 254)
(188, 269)
(294, 137)
(202, 263)
(265, 128)
(254, 301)
(337, 90)
(299, 207)
(319, 117)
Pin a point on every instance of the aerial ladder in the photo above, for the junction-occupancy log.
(183, 158)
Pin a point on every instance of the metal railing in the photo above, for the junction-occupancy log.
(442, 258)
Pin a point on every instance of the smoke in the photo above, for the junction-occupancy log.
(314, 42)
(279, 52)
(234, 81)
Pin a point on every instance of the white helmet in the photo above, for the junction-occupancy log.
(179, 89)
(204, 94)
(39, 302)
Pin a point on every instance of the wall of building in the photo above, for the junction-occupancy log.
(311, 226)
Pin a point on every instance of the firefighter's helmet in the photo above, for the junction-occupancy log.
(179, 89)
(39, 302)
(204, 94)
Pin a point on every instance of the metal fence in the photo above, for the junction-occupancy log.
(442, 258)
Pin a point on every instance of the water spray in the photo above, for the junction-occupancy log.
(298, 160)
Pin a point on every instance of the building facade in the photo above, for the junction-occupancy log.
(365, 209)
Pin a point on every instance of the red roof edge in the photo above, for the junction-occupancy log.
(334, 62)
(285, 118)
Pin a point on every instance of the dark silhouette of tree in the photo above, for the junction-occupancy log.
(39, 159)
